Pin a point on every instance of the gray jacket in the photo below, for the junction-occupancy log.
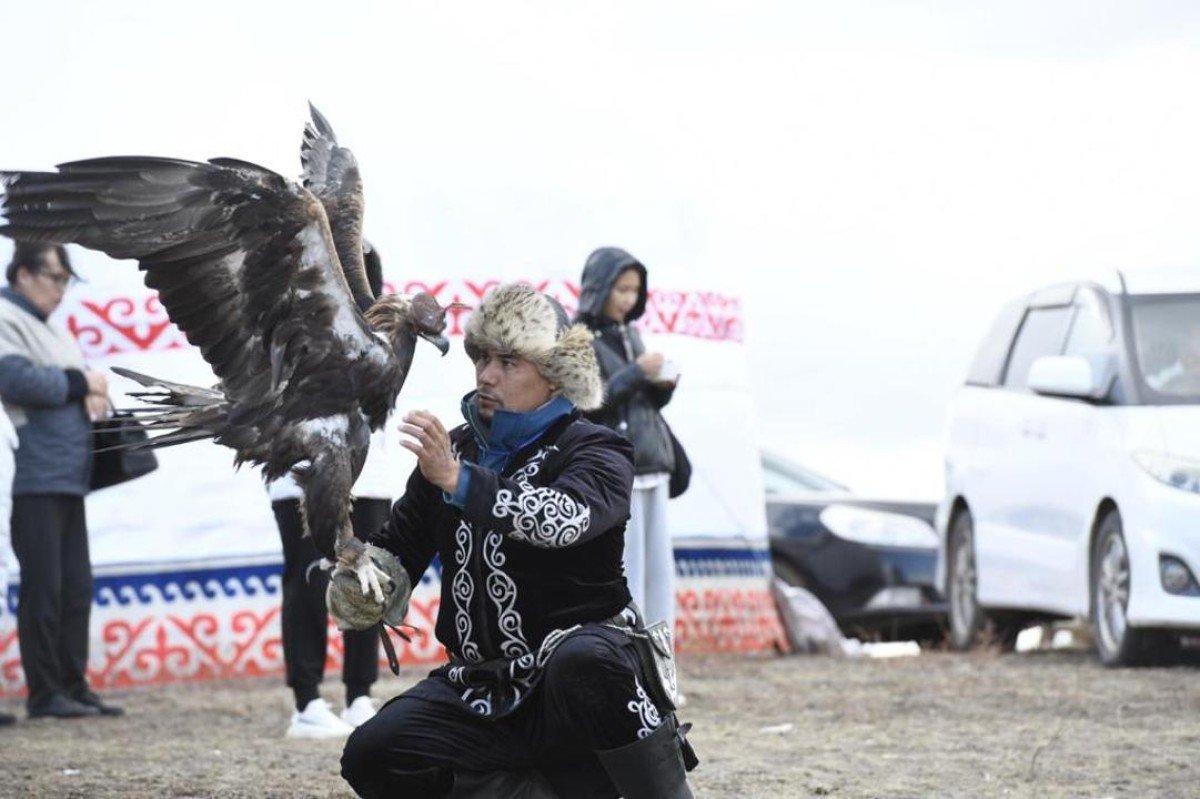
(43, 386)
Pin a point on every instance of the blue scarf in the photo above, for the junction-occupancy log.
(509, 433)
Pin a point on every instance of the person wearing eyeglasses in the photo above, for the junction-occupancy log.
(52, 398)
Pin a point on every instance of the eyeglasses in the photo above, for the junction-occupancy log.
(60, 279)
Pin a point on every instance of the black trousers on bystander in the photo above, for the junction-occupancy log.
(304, 616)
(50, 539)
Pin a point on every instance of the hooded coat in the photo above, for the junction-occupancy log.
(631, 402)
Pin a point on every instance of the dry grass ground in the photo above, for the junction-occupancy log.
(938, 725)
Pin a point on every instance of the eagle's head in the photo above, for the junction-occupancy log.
(404, 316)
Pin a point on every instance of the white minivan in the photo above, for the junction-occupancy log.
(1073, 469)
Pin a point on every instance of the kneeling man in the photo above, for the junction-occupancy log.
(526, 507)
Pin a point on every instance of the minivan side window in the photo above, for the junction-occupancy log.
(1042, 333)
(988, 366)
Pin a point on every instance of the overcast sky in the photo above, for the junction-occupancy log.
(874, 179)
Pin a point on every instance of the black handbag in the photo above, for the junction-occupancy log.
(115, 459)
(681, 475)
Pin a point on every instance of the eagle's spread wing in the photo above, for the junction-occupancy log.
(330, 172)
(236, 252)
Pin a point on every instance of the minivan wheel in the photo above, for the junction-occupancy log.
(1117, 643)
(969, 624)
(966, 617)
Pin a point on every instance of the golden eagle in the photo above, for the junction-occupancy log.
(267, 278)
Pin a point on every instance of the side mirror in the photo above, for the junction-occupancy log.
(1069, 376)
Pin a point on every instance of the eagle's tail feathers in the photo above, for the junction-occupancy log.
(168, 393)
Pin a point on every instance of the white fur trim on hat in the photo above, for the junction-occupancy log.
(518, 319)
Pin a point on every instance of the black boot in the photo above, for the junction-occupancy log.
(651, 768)
(501, 785)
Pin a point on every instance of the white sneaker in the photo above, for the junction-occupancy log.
(317, 721)
(360, 710)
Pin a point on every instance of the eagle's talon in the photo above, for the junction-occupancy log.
(371, 579)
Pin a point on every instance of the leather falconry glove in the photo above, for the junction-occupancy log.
(353, 610)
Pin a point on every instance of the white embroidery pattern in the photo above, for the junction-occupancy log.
(463, 588)
(534, 465)
(523, 671)
(481, 705)
(503, 592)
(551, 642)
(543, 517)
(645, 709)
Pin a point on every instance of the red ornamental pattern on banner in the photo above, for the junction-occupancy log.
(137, 322)
(122, 324)
(152, 645)
(728, 620)
(158, 647)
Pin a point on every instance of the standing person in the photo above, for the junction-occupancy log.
(8, 465)
(525, 505)
(304, 616)
(636, 387)
(52, 399)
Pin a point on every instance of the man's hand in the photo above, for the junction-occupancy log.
(430, 442)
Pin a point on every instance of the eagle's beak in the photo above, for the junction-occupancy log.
(438, 340)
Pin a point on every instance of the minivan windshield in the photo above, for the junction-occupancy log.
(1166, 333)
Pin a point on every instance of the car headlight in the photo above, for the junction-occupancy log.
(878, 528)
(1170, 469)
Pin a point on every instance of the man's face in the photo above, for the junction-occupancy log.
(505, 381)
(44, 284)
(624, 295)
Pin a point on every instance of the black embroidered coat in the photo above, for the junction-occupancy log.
(534, 552)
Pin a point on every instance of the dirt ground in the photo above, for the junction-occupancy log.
(937, 725)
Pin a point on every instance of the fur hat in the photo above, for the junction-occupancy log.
(518, 319)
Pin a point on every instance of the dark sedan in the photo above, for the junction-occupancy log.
(870, 562)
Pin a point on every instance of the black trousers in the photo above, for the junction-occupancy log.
(304, 614)
(50, 539)
(589, 698)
